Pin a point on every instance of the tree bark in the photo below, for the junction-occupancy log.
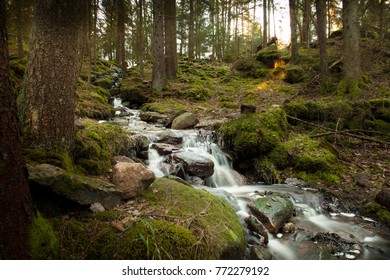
(49, 91)
(351, 49)
(265, 24)
(306, 23)
(120, 45)
(159, 67)
(293, 26)
(170, 38)
(15, 200)
(140, 49)
(191, 31)
(321, 31)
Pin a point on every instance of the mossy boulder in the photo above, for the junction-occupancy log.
(185, 121)
(271, 56)
(96, 143)
(251, 68)
(105, 82)
(136, 91)
(294, 74)
(253, 134)
(92, 102)
(266, 171)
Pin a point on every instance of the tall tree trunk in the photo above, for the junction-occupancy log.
(19, 27)
(140, 49)
(265, 24)
(321, 31)
(49, 91)
(293, 26)
(15, 200)
(381, 19)
(170, 38)
(306, 23)
(191, 31)
(159, 68)
(120, 45)
(351, 36)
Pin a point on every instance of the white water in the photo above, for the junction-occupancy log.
(311, 219)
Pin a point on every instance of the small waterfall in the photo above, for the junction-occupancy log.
(155, 161)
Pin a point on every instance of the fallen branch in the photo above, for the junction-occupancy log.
(339, 132)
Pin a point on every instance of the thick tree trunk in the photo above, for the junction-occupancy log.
(140, 37)
(159, 68)
(321, 30)
(265, 24)
(293, 26)
(170, 38)
(191, 31)
(15, 200)
(351, 50)
(306, 23)
(49, 92)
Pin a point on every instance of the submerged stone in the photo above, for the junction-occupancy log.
(273, 211)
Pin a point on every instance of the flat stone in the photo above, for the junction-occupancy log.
(195, 164)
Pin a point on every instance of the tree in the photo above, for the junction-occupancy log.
(265, 23)
(51, 75)
(170, 38)
(15, 200)
(294, 36)
(191, 31)
(351, 49)
(159, 67)
(120, 45)
(321, 31)
(306, 23)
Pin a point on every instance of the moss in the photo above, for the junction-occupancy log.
(270, 55)
(250, 68)
(293, 73)
(167, 105)
(252, 134)
(43, 241)
(307, 155)
(60, 159)
(377, 212)
(105, 82)
(228, 104)
(210, 219)
(266, 171)
(196, 93)
(350, 88)
(96, 143)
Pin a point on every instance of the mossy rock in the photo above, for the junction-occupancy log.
(251, 68)
(294, 74)
(378, 212)
(213, 221)
(254, 134)
(59, 159)
(92, 102)
(266, 171)
(136, 91)
(271, 54)
(307, 155)
(96, 143)
(105, 82)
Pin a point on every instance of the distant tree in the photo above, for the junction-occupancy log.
(306, 11)
(294, 36)
(321, 31)
(351, 49)
(159, 67)
(265, 24)
(15, 200)
(170, 38)
(120, 41)
(49, 92)
(191, 31)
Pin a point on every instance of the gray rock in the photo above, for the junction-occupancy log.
(195, 164)
(383, 198)
(153, 117)
(260, 253)
(273, 211)
(81, 189)
(164, 149)
(185, 121)
(116, 159)
(257, 227)
(132, 178)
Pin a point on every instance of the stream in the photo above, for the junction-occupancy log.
(317, 234)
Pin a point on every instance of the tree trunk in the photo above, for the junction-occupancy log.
(306, 23)
(265, 24)
(49, 91)
(191, 31)
(159, 68)
(321, 31)
(351, 50)
(140, 49)
(120, 43)
(15, 200)
(293, 26)
(170, 38)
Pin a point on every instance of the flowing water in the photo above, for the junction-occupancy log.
(316, 232)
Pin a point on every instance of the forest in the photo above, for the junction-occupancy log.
(210, 129)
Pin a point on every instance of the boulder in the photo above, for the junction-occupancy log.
(153, 117)
(132, 178)
(273, 211)
(260, 253)
(186, 120)
(168, 138)
(164, 149)
(248, 109)
(81, 189)
(383, 198)
(257, 227)
(195, 164)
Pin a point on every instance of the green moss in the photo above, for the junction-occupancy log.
(43, 241)
(196, 93)
(96, 143)
(250, 68)
(167, 105)
(105, 82)
(252, 134)
(60, 159)
(270, 54)
(377, 212)
(266, 171)
(294, 74)
(210, 219)
(350, 88)
(307, 155)
(228, 104)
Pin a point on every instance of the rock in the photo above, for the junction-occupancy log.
(185, 121)
(288, 228)
(363, 180)
(81, 189)
(257, 227)
(132, 178)
(195, 164)
(167, 138)
(97, 207)
(248, 109)
(164, 149)
(294, 75)
(273, 211)
(383, 198)
(260, 253)
(116, 159)
(153, 117)
(139, 143)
